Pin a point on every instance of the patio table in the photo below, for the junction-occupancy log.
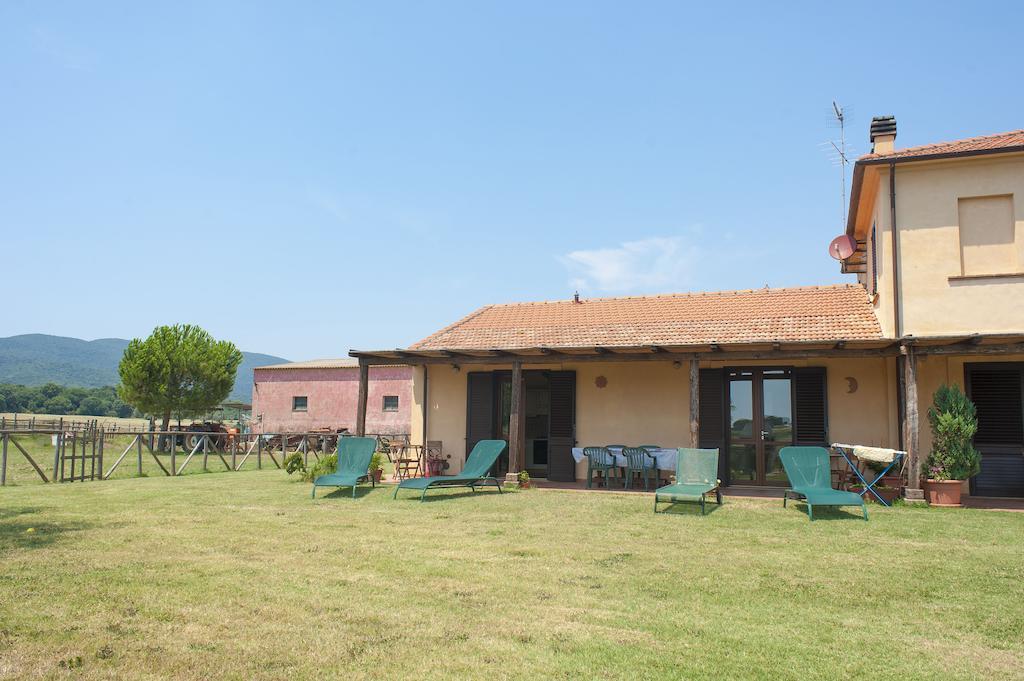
(664, 458)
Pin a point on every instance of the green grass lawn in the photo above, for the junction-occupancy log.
(243, 576)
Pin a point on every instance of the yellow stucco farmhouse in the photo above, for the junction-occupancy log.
(936, 241)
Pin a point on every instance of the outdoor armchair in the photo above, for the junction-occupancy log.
(475, 472)
(809, 470)
(599, 459)
(354, 454)
(638, 460)
(696, 476)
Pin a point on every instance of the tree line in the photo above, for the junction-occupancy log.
(51, 398)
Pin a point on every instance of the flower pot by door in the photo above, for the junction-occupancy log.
(943, 492)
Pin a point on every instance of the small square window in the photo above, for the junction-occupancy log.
(299, 403)
(391, 403)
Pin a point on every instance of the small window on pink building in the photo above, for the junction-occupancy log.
(391, 403)
(299, 403)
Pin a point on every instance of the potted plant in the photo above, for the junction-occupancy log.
(953, 459)
(435, 464)
(377, 466)
(524, 479)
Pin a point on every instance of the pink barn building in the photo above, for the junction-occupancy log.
(303, 396)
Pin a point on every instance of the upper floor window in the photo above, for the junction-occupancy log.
(988, 239)
(391, 403)
(299, 403)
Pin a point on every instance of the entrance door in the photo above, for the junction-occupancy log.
(549, 410)
(760, 424)
(997, 390)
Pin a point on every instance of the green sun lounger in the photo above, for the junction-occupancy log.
(354, 454)
(474, 473)
(810, 477)
(696, 476)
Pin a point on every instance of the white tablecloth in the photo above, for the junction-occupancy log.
(665, 459)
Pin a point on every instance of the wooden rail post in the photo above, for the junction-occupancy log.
(234, 451)
(174, 457)
(206, 453)
(56, 451)
(99, 462)
(138, 455)
(74, 451)
(259, 451)
(3, 461)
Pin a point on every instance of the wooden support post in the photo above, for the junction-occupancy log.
(694, 403)
(259, 451)
(516, 446)
(234, 451)
(911, 424)
(99, 461)
(364, 384)
(56, 453)
(138, 463)
(171, 441)
(74, 452)
(206, 452)
(3, 462)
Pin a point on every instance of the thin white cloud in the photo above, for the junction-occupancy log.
(647, 265)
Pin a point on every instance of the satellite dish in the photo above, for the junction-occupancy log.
(842, 247)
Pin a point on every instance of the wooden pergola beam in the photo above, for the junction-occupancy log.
(694, 403)
(552, 356)
(911, 423)
(364, 384)
(516, 423)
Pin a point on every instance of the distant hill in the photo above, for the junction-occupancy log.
(36, 358)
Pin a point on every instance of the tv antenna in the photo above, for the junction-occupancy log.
(839, 152)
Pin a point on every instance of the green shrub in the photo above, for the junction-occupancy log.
(377, 462)
(954, 421)
(326, 465)
(293, 463)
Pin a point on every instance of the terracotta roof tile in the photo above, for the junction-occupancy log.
(1003, 141)
(812, 313)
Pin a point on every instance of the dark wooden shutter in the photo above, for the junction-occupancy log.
(562, 426)
(479, 408)
(810, 406)
(997, 391)
(712, 417)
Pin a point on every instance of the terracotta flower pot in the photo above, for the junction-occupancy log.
(377, 473)
(894, 481)
(943, 492)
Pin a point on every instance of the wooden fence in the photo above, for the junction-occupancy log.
(78, 455)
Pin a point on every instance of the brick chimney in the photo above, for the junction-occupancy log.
(883, 134)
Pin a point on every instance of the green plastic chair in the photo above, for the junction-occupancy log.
(354, 454)
(599, 459)
(696, 476)
(476, 471)
(638, 460)
(809, 470)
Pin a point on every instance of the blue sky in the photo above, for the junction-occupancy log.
(305, 178)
